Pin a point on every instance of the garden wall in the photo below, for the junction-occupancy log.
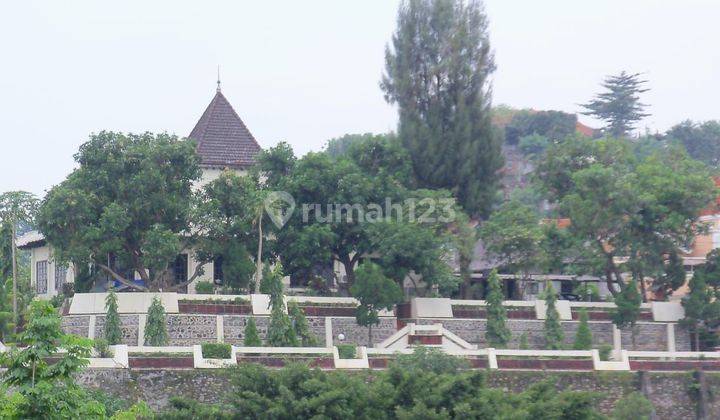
(649, 336)
(671, 393)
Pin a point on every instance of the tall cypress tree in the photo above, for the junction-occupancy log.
(497, 333)
(583, 336)
(437, 72)
(113, 333)
(554, 335)
(155, 329)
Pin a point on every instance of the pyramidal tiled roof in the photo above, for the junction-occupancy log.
(222, 138)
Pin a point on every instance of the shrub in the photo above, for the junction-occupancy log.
(102, 348)
(428, 359)
(524, 344)
(216, 350)
(113, 334)
(633, 406)
(347, 351)
(204, 288)
(604, 352)
(155, 328)
(57, 301)
(252, 338)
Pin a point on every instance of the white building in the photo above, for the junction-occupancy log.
(223, 142)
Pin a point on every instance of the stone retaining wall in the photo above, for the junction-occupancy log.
(128, 327)
(234, 328)
(649, 336)
(671, 393)
(78, 325)
(358, 335)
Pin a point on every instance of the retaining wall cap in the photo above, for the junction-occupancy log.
(128, 303)
(667, 311)
(431, 308)
(562, 306)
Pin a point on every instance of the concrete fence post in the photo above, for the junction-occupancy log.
(492, 358)
(670, 337)
(91, 327)
(142, 320)
(220, 326)
(328, 332)
(617, 343)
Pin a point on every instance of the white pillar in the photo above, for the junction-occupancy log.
(220, 325)
(328, 332)
(617, 342)
(91, 327)
(671, 338)
(142, 319)
(492, 358)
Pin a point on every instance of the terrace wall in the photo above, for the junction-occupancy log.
(671, 393)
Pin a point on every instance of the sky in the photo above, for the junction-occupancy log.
(307, 71)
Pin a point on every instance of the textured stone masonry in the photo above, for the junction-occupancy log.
(669, 392)
(128, 327)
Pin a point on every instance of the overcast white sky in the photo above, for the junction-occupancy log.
(306, 71)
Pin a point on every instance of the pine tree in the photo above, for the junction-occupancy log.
(583, 336)
(155, 328)
(252, 338)
(620, 105)
(113, 333)
(497, 333)
(554, 335)
(300, 323)
(700, 307)
(281, 332)
(627, 308)
(437, 72)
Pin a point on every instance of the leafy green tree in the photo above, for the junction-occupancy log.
(524, 344)
(300, 324)
(554, 335)
(155, 327)
(252, 338)
(513, 235)
(497, 334)
(533, 145)
(130, 198)
(619, 106)
(47, 390)
(583, 336)
(16, 207)
(549, 125)
(619, 206)
(113, 333)
(375, 292)
(228, 217)
(437, 71)
(627, 308)
(701, 140)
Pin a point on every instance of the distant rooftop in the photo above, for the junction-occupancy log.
(223, 140)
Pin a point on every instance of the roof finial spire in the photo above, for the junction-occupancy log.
(218, 79)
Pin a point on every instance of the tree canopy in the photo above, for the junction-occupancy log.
(126, 208)
(437, 70)
(619, 105)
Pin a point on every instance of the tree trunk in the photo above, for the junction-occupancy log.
(258, 270)
(14, 276)
(641, 279)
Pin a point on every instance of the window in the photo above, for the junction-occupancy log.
(60, 274)
(218, 269)
(181, 268)
(41, 277)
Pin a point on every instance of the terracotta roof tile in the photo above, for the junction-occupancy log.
(222, 138)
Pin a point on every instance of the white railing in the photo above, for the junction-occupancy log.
(121, 355)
